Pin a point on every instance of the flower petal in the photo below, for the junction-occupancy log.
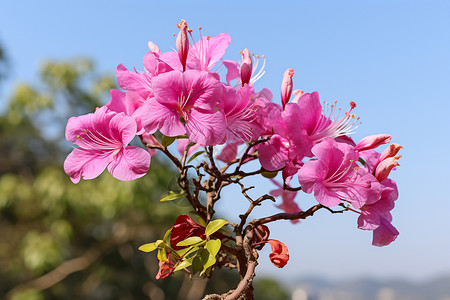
(132, 163)
(88, 164)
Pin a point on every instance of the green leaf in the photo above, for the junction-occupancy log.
(162, 254)
(215, 225)
(167, 140)
(197, 265)
(184, 264)
(190, 241)
(208, 262)
(201, 222)
(148, 247)
(269, 174)
(172, 196)
(194, 156)
(152, 246)
(213, 246)
(186, 251)
(166, 236)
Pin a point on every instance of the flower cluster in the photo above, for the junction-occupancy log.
(181, 96)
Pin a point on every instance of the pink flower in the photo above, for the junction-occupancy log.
(229, 151)
(274, 154)
(372, 213)
(335, 176)
(186, 103)
(134, 81)
(240, 108)
(307, 126)
(127, 103)
(183, 143)
(288, 204)
(384, 234)
(204, 54)
(102, 138)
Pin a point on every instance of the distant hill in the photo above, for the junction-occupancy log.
(370, 289)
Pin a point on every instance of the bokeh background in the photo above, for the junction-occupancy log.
(58, 60)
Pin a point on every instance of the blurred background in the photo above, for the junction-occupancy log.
(64, 241)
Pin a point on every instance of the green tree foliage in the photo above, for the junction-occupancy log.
(269, 289)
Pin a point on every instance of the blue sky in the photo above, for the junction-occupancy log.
(391, 57)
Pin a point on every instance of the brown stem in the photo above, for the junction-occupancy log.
(287, 216)
(244, 283)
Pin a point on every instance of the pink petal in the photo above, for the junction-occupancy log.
(87, 164)
(154, 65)
(384, 234)
(228, 153)
(368, 220)
(310, 173)
(132, 163)
(183, 143)
(326, 197)
(156, 116)
(232, 70)
(206, 128)
(76, 126)
(123, 128)
(217, 47)
(131, 81)
(274, 154)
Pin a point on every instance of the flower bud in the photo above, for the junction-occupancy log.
(390, 151)
(246, 67)
(153, 47)
(384, 167)
(298, 94)
(260, 236)
(286, 86)
(182, 43)
(373, 141)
